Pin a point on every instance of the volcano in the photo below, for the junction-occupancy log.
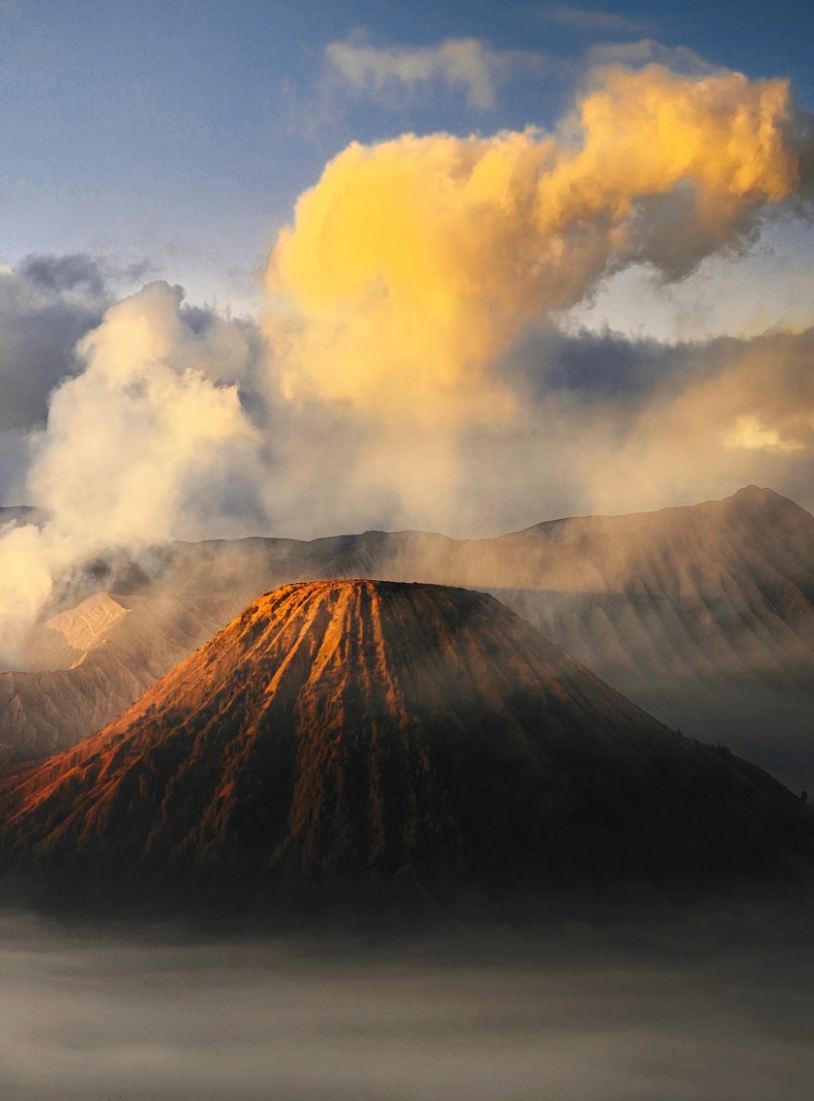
(703, 615)
(343, 738)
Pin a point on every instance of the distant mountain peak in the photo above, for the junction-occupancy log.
(753, 493)
(89, 623)
(753, 490)
(761, 493)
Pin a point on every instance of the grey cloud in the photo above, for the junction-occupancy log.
(598, 367)
(39, 327)
(664, 231)
(801, 126)
(466, 65)
(47, 304)
(619, 425)
(593, 367)
(591, 20)
(65, 273)
(13, 463)
(600, 423)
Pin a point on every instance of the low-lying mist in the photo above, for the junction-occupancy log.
(584, 1016)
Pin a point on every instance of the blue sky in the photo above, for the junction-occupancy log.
(181, 132)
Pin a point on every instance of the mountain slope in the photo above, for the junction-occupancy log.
(344, 734)
(704, 615)
(46, 710)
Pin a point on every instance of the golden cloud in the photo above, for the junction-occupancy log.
(414, 265)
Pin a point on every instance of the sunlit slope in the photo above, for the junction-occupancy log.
(346, 736)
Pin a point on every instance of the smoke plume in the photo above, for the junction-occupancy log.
(141, 446)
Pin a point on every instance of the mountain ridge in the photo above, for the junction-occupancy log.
(702, 614)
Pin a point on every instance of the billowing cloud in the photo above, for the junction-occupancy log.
(154, 423)
(146, 443)
(415, 264)
(465, 65)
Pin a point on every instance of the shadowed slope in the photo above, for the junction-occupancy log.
(704, 615)
(346, 733)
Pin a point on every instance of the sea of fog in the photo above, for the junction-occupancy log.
(586, 1016)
